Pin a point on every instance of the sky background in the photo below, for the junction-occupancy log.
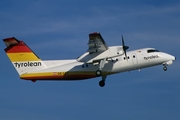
(58, 29)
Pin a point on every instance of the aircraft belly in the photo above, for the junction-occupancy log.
(72, 71)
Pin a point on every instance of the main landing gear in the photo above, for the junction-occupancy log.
(102, 82)
(99, 73)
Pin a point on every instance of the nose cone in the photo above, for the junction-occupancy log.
(170, 57)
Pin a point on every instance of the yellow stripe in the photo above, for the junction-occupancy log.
(37, 74)
(18, 57)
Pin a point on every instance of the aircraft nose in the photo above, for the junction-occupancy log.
(172, 57)
(169, 57)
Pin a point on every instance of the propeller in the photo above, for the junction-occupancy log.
(124, 47)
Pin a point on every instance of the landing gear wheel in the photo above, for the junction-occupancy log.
(101, 83)
(164, 68)
(98, 73)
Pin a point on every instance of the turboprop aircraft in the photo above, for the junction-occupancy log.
(99, 61)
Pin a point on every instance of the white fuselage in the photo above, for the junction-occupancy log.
(136, 59)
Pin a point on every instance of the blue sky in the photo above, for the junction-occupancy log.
(59, 29)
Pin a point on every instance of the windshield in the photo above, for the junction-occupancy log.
(152, 50)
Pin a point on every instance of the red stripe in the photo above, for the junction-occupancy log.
(20, 47)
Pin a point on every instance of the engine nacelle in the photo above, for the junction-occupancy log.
(112, 52)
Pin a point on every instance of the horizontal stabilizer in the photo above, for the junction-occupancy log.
(11, 41)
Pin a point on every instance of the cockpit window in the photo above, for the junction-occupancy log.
(152, 50)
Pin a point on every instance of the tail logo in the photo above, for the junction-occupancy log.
(26, 64)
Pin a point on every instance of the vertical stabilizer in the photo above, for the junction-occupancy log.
(22, 57)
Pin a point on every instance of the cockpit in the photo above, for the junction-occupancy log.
(152, 50)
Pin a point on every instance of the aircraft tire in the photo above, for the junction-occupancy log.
(98, 73)
(165, 68)
(102, 83)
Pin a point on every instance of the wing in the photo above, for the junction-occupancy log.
(96, 43)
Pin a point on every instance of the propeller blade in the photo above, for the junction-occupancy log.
(122, 41)
(124, 47)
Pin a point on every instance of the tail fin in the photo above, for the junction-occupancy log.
(22, 57)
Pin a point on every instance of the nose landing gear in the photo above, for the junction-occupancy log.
(165, 68)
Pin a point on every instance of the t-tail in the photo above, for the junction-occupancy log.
(22, 57)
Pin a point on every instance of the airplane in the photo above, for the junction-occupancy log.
(98, 61)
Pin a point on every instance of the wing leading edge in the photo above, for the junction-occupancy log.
(96, 43)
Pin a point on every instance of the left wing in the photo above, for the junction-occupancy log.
(96, 43)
